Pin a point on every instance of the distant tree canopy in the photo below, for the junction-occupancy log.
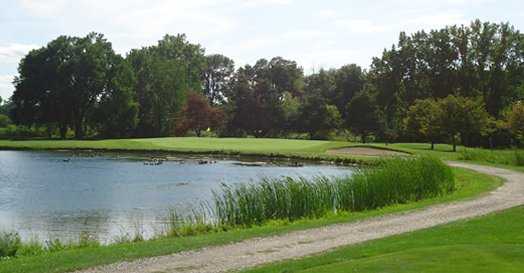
(458, 84)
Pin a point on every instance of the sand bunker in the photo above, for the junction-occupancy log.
(365, 151)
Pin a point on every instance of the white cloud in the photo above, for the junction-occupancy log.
(361, 25)
(328, 33)
(437, 20)
(6, 86)
(258, 3)
(12, 53)
(44, 8)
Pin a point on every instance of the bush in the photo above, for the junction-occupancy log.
(21, 132)
(4, 121)
(9, 244)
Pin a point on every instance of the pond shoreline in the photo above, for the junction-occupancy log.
(316, 158)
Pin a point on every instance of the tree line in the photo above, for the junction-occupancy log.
(458, 84)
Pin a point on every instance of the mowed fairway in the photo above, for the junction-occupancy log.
(186, 144)
(493, 243)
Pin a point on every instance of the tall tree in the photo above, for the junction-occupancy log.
(423, 120)
(116, 113)
(218, 71)
(257, 96)
(462, 117)
(62, 82)
(165, 73)
(198, 116)
(318, 118)
(362, 118)
(349, 80)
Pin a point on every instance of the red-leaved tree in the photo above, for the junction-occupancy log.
(197, 115)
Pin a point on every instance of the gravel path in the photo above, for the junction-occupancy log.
(258, 251)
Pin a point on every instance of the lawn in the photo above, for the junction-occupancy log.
(470, 184)
(494, 243)
(185, 144)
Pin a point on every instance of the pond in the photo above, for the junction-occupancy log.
(61, 195)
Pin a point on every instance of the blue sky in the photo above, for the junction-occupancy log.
(316, 34)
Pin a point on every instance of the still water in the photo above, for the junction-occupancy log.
(60, 195)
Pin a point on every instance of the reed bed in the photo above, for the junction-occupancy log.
(393, 181)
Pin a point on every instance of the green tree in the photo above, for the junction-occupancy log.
(165, 73)
(514, 118)
(462, 117)
(218, 71)
(362, 115)
(348, 81)
(4, 120)
(423, 120)
(257, 96)
(318, 118)
(116, 112)
(63, 82)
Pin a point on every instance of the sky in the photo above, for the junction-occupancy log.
(316, 34)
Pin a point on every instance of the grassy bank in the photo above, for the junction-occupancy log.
(493, 243)
(469, 184)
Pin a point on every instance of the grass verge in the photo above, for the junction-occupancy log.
(493, 243)
(469, 184)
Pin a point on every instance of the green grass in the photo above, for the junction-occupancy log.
(307, 149)
(510, 157)
(185, 144)
(312, 149)
(270, 147)
(469, 185)
(494, 243)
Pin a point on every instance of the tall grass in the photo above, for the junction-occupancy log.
(9, 244)
(12, 246)
(514, 158)
(393, 181)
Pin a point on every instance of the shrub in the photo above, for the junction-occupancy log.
(9, 244)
